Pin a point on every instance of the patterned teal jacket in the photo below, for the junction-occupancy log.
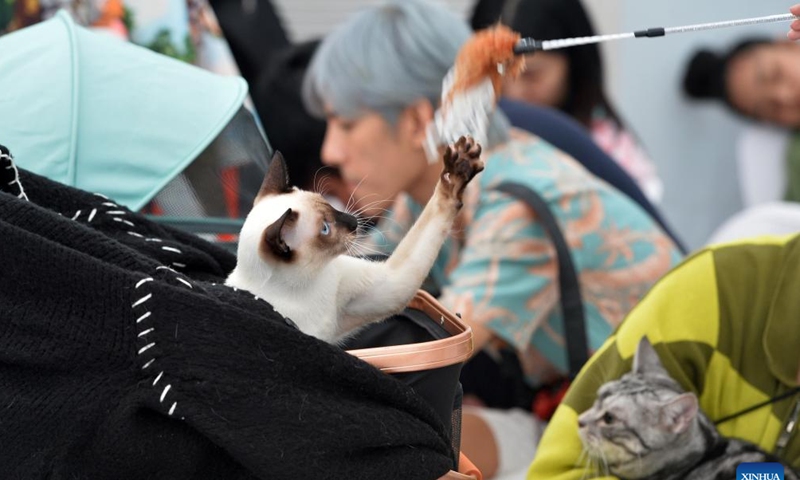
(499, 268)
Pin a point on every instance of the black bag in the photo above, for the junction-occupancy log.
(432, 346)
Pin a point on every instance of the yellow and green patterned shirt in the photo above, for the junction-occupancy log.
(726, 324)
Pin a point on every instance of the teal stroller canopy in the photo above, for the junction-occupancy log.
(97, 113)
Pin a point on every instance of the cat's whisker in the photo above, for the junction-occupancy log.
(314, 181)
(364, 207)
(361, 199)
(350, 202)
(606, 470)
(583, 457)
(348, 250)
(380, 213)
(382, 218)
(372, 207)
(316, 175)
(583, 462)
(589, 471)
(376, 232)
(361, 243)
(365, 250)
(323, 187)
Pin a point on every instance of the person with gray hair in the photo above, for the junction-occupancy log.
(377, 80)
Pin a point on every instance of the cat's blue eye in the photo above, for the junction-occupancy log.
(326, 229)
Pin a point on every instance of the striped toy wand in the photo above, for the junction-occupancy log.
(530, 45)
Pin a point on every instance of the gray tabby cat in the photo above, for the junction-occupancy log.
(645, 426)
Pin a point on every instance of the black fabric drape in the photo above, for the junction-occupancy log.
(122, 355)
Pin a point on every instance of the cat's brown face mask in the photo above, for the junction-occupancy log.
(308, 227)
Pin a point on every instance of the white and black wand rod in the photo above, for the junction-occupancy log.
(530, 45)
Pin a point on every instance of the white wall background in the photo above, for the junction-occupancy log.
(692, 145)
(305, 19)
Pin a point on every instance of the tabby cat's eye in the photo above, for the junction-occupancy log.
(326, 229)
(608, 418)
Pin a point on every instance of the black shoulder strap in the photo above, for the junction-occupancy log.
(570, 291)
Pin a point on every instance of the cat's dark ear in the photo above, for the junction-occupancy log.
(678, 413)
(646, 361)
(276, 180)
(275, 236)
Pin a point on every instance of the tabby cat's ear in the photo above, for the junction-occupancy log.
(276, 180)
(275, 234)
(646, 361)
(678, 413)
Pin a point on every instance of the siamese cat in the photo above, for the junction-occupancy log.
(293, 251)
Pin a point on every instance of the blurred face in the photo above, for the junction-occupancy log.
(764, 83)
(377, 160)
(545, 80)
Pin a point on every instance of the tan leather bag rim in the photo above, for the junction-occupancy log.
(453, 475)
(428, 355)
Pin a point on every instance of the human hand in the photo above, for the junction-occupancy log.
(794, 33)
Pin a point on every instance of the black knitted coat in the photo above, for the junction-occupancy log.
(122, 355)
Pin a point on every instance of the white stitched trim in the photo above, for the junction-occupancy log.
(13, 166)
(91, 215)
(109, 204)
(164, 393)
(115, 212)
(145, 332)
(101, 196)
(157, 240)
(179, 265)
(138, 235)
(76, 215)
(171, 249)
(142, 300)
(12, 182)
(122, 220)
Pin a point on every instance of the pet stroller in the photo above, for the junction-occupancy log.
(145, 133)
(159, 136)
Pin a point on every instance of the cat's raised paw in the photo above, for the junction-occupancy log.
(462, 161)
